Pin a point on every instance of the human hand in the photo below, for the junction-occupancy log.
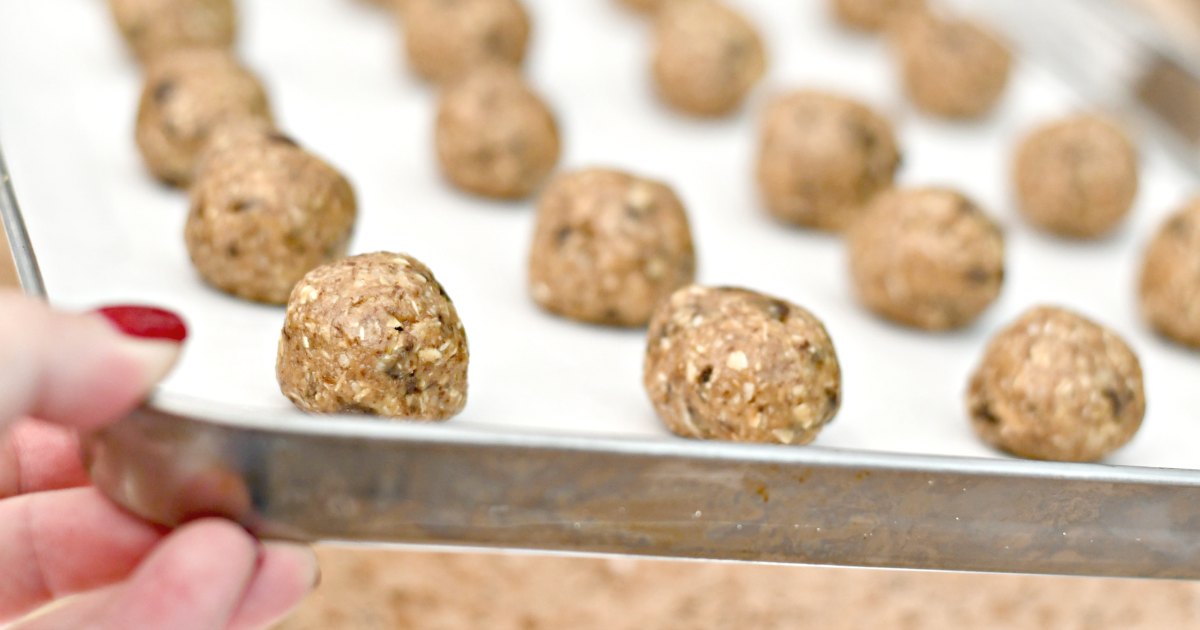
(59, 536)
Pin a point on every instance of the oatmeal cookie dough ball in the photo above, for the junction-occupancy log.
(263, 213)
(376, 334)
(153, 27)
(926, 257)
(950, 67)
(643, 6)
(822, 157)
(1055, 385)
(444, 39)
(707, 56)
(1170, 279)
(873, 15)
(608, 247)
(188, 94)
(495, 137)
(733, 364)
(1076, 177)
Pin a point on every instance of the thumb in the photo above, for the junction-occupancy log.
(81, 370)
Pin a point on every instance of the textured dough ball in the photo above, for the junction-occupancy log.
(926, 257)
(1055, 385)
(707, 57)
(263, 213)
(873, 15)
(447, 38)
(644, 6)
(188, 94)
(494, 136)
(732, 364)
(950, 67)
(822, 157)
(152, 27)
(1170, 284)
(608, 247)
(376, 334)
(1076, 177)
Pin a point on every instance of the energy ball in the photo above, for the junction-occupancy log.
(733, 364)
(950, 67)
(1076, 177)
(873, 15)
(644, 6)
(822, 157)
(375, 334)
(446, 38)
(926, 257)
(153, 27)
(707, 57)
(189, 94)
(263, 213)
(494, 136)
(1170, 281)
(1054, 385)
(608, 247)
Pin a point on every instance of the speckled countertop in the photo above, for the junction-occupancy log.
(366, 589)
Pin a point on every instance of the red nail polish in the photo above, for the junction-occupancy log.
(146, 322)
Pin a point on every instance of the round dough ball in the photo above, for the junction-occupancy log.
(152, 27)
(376, 334)
(707, 57)
(1170, 283)
(263, 213)
(822, 157)
(447, 38)
(873, 15)
(950, 67)
(494, 136)
(1055, 385)
(1076, 177)
(608, 247)
(643, 6)
(733, 364)
(927, 258)
(188, 94)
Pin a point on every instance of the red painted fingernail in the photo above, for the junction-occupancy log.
(146, 322)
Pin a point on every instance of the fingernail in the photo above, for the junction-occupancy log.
(300, 556)
(150, 335)
(146, 322)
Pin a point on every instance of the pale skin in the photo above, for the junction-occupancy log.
(59, 536)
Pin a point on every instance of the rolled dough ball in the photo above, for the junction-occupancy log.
(1055, 385)
(950, 67)
(1076, 177)
(152, 27)
(707, 56)
(873, 15)
(188, 94)
(494, 136)
(444, 39)
(608, 247)
(263, 213)
(822, 157)
(732, 364)
(374, 333)
(1170, 280)
(926, 257)
(644, 6)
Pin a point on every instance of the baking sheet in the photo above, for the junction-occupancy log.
(105, 232)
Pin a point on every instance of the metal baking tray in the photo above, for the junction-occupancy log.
(558, 448)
